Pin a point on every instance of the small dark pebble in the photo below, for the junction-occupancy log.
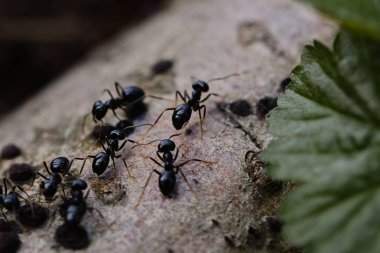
(284, 84)
(229, 241)
(9, 240)
(32, 215)
(274, 224)
(10, 151)
(195, 181)
(215, 222)
(241, 108)
(100, 132)
(20, 173)
(72, 237)
(188, 131)
(123, 124)
(162, 66)
(265, 105)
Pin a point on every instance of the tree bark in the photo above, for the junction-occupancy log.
(228, 207)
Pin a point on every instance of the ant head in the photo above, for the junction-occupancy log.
(78, 185)
(117, 134)
(60, 165)
(200, 85)
(99, 109)
(166, 145)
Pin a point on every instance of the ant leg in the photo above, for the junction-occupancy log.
(34, 178)
(5, 185)
(155, 161)
(176, 155)
(3, 214)
(187, 182)
(84, 120)
(82, 167)
(91, 209)
(178, 93)
(159, 156)
(108, 92)
(114, 113)
(114, 167)
(129, 173)
(202, 119)
(42, 176)
(125, 142)
(145, 185)
(119, 89)
(208, 96)
(47, 168)
(104, 148)
(21, 189)
(64, 193)
(167, 109)
(192, 160)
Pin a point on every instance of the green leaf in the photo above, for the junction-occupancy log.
(328, 138)
(360, 15)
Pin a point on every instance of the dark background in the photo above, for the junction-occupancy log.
(39, 39)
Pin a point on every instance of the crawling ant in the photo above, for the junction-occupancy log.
(167, 178)
(182, 113)
(71, 234)
(100, 132)
(59, 167)
(129, 98)
(101, 160)
(29, 215)
(9, 200)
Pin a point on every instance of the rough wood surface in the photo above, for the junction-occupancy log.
(262, 39)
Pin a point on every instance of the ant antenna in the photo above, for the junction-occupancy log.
(130, 127)
(148, 143)
(223, 77)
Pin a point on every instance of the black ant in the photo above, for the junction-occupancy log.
(182, 113)
(71, 235)
(167, 178)
(101, 161)
(9, 200)
(129, 99)
(29, 215)
(59, 167)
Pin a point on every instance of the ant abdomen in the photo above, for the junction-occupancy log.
(166, 182)
(181, 115)
(100, 163)
(131, 94)
(99, 110)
